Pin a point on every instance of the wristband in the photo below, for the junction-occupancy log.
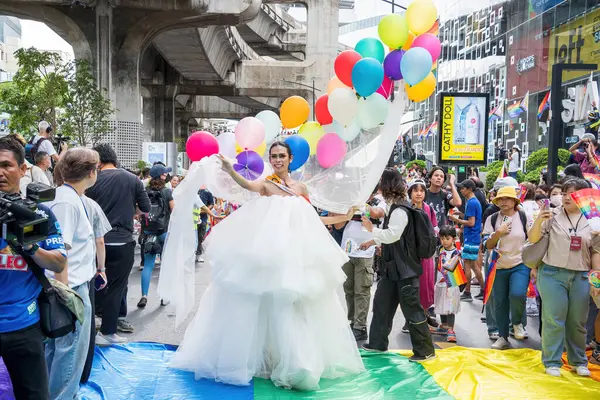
(100, 270)
(31, 252)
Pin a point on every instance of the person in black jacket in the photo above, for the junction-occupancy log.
(400, 271)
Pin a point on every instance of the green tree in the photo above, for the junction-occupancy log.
(539, 158)
(420, 163)
(36, 92)
(87, 111)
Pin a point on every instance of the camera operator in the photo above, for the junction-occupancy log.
(21, 338)
(45, 144)
(586, 159)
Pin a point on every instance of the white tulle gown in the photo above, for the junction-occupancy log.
(272, 308)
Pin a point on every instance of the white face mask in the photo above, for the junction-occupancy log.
(556, 200)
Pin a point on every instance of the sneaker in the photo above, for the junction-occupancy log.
(479, 296)
(553, 371)
(451, 337)
(142, 303)
(360, 334)
(582, 370)
(109, 340)
(432, 322)
(466, 297)
(438, 331)
(141, 267)
(367, 347)
(495, 335)
(124, 326)
(420, 359)
(199, 259)
(525, 333)
(501, 344)
(98, 322)
(483, 319)
(592, 345)
(595, 358)
(405, 328)
(519, 332)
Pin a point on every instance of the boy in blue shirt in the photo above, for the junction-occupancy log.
(471, 234)
(21, 338)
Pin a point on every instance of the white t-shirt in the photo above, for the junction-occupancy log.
(77, 234)
(46, 145)
(100, 224)
(354, 235)
(510, 246)
(514, 164)
(33, 174)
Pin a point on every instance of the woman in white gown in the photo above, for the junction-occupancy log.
(272, 308)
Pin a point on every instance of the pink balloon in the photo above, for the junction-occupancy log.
(250, 133)
(386, 88)
(331, 150)
(201, 144)
(429, 42)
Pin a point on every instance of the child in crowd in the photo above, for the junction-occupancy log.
(449, 277)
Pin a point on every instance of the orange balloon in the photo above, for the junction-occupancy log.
(422, 90)
(408, 44)
(335, 83)
(294, 112)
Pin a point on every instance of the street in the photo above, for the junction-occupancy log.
(156, 323)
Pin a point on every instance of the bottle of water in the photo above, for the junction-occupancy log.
(472, 123)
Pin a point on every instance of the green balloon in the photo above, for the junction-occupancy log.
(370, 47)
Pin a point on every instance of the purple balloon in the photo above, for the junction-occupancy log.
(249, 165)
(391, 65)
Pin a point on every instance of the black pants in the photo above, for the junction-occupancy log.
(87, 368)
(201, 232)
(387, 297)
(24, 356)
(119, 261)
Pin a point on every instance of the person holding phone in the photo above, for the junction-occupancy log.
(586, 159)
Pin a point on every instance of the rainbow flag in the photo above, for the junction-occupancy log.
(514, 110)
(544, 105)
(490, 276)
(532, 291)
(594, 179)
(524, 104)
(432, 130)
(497, 112)
(503, 173)
(457, 277)
(522, 192)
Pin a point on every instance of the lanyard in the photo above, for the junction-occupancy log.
(80, 199)
(576, 227)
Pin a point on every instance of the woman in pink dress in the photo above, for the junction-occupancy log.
(416, 192)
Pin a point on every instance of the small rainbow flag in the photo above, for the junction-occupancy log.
(532, 291)
(594, 179)
(522, 192)
(432, 130)
(588, 201)
(524, 104)
(503, 173)
(544, 105)
(454, 278)
(490, 276)
(514, 110)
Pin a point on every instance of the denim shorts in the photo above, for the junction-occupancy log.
(470, 252)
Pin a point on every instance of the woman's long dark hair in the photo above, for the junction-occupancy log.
(392, 186)
(157, 184)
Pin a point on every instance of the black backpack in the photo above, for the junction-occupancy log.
(157, 220)
(522, 215)
(31, 149)
(425, 238)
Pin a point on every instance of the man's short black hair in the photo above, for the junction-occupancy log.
(40, 156)
(107, 154)
(10, 143)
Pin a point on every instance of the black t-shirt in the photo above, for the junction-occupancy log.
(490, 210)
(440, 202)
(119, 193)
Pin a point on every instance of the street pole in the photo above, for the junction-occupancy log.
(556, 126)
(312, 87)
(394, 5)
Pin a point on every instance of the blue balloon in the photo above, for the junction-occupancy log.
(300, 151)
(370, 47)
(415, 65)
(367, 76)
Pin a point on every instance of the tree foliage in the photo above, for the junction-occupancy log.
(87, 111)
(420, 163)
(540, 159)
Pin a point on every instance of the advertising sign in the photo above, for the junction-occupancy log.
(537, 7)
(154, 152)
(463, 128)
(575, 42)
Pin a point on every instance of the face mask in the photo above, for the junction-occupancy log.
(556, 200)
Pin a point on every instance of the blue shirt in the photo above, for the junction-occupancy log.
(473, 209)
(208, 200)
(18, 287)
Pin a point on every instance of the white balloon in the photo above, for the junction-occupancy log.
(227, 144)
(346, 133)
(343, 105)
(372, 111)
(272, 124)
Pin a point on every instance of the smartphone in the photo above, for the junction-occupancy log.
(99, 282)
(545, 204)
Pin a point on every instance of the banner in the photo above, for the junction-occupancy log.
(577, 41)
(463, 128)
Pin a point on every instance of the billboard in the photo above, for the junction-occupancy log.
(463, 126)
(577, 41)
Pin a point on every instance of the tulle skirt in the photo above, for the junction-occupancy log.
(272, 308)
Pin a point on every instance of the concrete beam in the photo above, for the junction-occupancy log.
(214, 107)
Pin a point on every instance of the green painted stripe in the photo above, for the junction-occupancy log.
(388, 376)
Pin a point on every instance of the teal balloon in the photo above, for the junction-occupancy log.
(367, 76)
(416, 64)
(372, 48)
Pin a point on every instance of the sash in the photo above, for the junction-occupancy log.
(277, 181)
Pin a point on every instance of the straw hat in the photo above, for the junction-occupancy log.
(507, 193)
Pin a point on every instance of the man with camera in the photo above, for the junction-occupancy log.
(42, 142)
(21, 338)
(587, 159)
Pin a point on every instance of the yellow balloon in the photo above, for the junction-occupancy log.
(421, 15)
(422, 90)
(408, 44)
(294, 112)
(312, 132)
(393, 30)
(335, 83)
(260, 149)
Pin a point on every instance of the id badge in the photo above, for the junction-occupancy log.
(575, 243)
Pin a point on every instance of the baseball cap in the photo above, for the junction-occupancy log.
(505, 182)
(157, 170)
(468, 184)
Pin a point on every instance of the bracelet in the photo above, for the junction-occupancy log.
(100, 270)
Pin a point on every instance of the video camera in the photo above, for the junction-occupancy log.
(59, 139)
(21, 219)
